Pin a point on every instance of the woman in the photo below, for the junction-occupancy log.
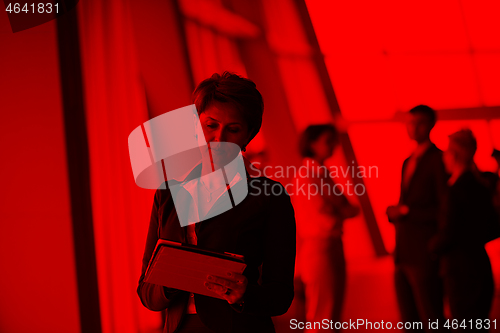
(320, 216)
(261, 227)
(464, 230)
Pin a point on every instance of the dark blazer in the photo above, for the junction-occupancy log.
(468, 223)
(424, 197)
(261, 228)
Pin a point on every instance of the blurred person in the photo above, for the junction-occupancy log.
(261, 227)
(495, 181)
(320, 216)
(491, 180)
(496, 155)
(488, 178)
(419, 288)
(467, 224)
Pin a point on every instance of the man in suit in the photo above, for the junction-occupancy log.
(423, 185)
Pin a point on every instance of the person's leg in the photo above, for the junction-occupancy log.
(339, 279)
(428, 292)
(319, 302)
(487, 287)
(457, 298)
(406, 300)
(471, 293)
(318, 280)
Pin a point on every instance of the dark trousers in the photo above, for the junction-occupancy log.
(468, 281)
(419, 292)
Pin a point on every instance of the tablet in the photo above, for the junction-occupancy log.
(185, 267)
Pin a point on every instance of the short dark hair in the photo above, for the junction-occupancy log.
(465, 145)
(427, 111)
(231, 88)
(311, 134)
(495, 153)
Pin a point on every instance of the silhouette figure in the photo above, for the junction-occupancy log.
(418, 285)
(495, 181)
(467, 224)
(320, 215)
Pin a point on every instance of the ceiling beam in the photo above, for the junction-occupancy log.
(479, 113)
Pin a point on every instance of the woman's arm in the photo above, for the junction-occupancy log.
(335, 203)
(275, 295)
(153, 296)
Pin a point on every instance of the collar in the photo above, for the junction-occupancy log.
(193, 187)
(457, 175)
(192, 177)
(192, 173)
(421, 149)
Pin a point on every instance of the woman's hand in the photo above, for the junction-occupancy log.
(349, 211)
(231, 287)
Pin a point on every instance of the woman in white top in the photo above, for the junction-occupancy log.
(320, 214)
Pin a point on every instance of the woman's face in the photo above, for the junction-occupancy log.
(221, 122)
(323, 146)
(449, 160)
(225, 131)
